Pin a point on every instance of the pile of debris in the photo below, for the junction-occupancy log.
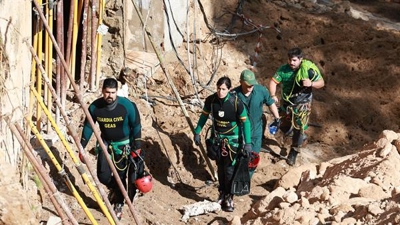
(362, 188)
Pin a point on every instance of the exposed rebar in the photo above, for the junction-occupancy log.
(84, 44)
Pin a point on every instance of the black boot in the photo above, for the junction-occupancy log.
(291, 159)
(118, 210)
(227, 204)
(221, 197)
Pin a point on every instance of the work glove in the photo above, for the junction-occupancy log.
(197, 139)
(81, 158)
(274, 126)
(246, 150)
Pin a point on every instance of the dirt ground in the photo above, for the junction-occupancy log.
(358, 60)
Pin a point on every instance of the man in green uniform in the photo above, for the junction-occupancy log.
(230, 126)
(119, 122)
(298, 77)
(254, 96)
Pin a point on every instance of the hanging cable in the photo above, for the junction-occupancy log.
(191, 66)
(239, 10)
(171, 39)
(177, 95)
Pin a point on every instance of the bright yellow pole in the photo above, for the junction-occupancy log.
(61, 171)
(99, 43)
(33, 71)
(47, 61)
(74, 158)
(79, 166)
(39, 78)
(77, 13)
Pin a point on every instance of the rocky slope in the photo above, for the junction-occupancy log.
(362, 188)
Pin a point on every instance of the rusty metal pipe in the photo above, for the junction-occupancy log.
(58, 61)
(17, 130)
(76, 139)
(69, 35)
(84, 44)
(90, 120)
(93, 61)
(46, 187)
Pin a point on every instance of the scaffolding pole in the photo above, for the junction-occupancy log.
(90, 120)
(79, 166)
(17, 131)
(84, 44)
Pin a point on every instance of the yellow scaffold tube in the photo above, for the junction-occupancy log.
(62, 172)
(33, 71)
(38, 77)
(99, 42)
(75, 159)
(49, 54)
(77, 13)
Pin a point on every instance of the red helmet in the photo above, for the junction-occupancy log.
(254, 160)
(144, 183)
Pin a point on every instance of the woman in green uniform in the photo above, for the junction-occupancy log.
(231, 128)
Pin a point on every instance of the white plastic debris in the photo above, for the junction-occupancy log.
(102, 29)
(199, 208)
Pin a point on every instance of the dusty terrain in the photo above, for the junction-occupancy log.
(359, 62)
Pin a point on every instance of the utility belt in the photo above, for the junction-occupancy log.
(121, 147)
(219, 146)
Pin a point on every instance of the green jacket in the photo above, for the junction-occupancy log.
(228, 115)
(117, 122)
(254, 105)
(291, 80)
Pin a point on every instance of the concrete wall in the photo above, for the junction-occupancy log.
(175, 22)
(15, 27)
(156, 23)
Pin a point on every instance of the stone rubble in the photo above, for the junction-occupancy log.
(362, 188)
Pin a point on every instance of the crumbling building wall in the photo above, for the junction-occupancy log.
(15, 69)
(125, 30)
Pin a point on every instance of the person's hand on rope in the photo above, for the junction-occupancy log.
(246, 150)
(196, 139)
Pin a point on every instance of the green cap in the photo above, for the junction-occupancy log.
(248, 77)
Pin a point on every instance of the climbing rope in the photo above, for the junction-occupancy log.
(300, 115)
(124, 156)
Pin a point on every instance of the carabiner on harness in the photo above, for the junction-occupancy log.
(224, 152)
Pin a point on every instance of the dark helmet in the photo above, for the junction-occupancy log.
(254, 160)
(144, 184)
